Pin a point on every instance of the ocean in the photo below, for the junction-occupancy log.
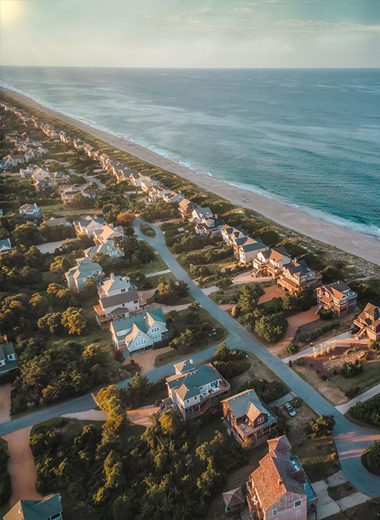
(307, 137)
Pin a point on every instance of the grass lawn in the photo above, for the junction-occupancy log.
(258, 370)
(153, 267)
(60, 210)
(180, 321)
(318, 457)
(368, 511)
(342, 490)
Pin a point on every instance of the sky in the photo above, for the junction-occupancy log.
(191, 33)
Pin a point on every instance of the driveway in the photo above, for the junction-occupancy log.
(351, 439)
(21, 467)
(5, 403)
(295, 322)
(142, 415)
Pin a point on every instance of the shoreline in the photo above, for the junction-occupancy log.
(296, 219)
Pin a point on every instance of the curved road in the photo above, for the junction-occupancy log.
(350, 438)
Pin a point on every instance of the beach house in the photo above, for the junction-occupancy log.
(279, 488)
(336, 297)
(368, 322)
(8, 361)
(106, 233)
(30, 211)
(248, 419)
(108, 248)
(248, 251)
(296, 275)
(232, 236)
(269, 262)
(135, 179)
(118, 298)
(47, 508)
(79, 276)
(5, 245)
(146, 183)
(195, 391)
(200, 214)
(186, 208)
(88, 225)
(57, 221)
(140, 331)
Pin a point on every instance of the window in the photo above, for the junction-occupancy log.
(274, 511)
(297, 503)
(260, 420)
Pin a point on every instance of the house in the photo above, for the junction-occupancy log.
(135, 179)
(209, 226)
(88, 193)
(200, 214)
(26, 173)
(5, 245)
(233, 501)
(108, 248)
(270, 261)
(337, 297)
(368, 322)
(57, 221)
(196, 391)
(231, 235)
(30, 211)
(88, 225)
(147, 184)
(249, 250)
(77, 277)
(107, 232)
(68, 193)
(296, 275)
(123, 174)
(171, 197)
(140, 331)
(48, 508)
(279, 488)
(186, 208)
(157, 193)
(248, 419)
(8, 360)
(118, 298)
(41, 179)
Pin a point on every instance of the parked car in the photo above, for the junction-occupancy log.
(291, 411)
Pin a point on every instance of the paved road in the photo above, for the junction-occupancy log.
(350, 439)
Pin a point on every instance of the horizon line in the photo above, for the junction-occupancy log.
(186, 68)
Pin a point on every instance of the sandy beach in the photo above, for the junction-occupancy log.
(361, 245)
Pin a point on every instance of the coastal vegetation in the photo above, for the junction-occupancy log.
(172, 475)
(367, 412)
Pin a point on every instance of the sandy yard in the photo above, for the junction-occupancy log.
(247, 277)
(5, 403)
(295, 322)
(21, 466)
(89, 415)
(142, 415)
(146, 359)
(273, 291)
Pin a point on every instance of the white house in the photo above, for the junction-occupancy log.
(140, 331)
(30, 211)
(118, 297)
(196, 391)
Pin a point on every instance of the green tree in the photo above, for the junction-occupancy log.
(73, 321)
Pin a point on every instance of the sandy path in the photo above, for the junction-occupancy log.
(5, 403)
(363, 246)
(296, 321)
(89, 415)
(142, 415)
(21, 466)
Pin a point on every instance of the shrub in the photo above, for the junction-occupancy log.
(292, 348)
(326, 314)
(271, 328)
(352, 392)
(368, 412)
(350, 369)
(372, 458)
(321, 426)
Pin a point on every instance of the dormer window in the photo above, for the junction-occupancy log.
(297, 503)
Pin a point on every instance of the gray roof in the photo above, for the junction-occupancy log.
(241, 405)
(187, 385)
(253, 246)
(118, 299)
(5, 245)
